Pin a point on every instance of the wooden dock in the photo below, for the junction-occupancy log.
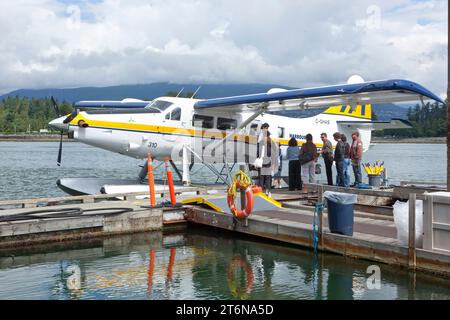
(99, 217)
(374, 237)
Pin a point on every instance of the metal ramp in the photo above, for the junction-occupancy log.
(219, 204)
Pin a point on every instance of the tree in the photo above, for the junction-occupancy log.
(16, 113)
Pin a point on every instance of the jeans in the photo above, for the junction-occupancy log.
(265, 182)
(356, 164)
(347, 164)
(329, 171)
(340, 172)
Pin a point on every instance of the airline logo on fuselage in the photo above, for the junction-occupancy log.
(321, 121)
(297, 136)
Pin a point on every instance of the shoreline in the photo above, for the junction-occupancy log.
(429, 140)
(33, 137)
(56, 137)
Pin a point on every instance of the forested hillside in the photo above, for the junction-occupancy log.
(427, 121)
(18, 115)
(22, 114)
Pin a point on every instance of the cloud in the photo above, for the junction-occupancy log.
(49, 43)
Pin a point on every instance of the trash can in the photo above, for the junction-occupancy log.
(340, 212)
(374, 180)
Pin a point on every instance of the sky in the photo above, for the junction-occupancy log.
(299, 43)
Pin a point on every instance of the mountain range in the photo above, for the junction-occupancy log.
(384, 112)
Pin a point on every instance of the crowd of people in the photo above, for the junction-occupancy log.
(303, 160)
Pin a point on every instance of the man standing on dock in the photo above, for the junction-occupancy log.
(339, 155)
(327, 154)
(356, 152)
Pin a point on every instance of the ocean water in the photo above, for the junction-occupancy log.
(201, 264)
(29, 170)
(193, 263)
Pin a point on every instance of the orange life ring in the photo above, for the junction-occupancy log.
(238, 263)
(249, 203)
(256, 188)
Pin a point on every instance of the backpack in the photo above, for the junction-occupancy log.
(305, 157)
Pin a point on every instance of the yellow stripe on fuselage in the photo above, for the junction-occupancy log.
(174, 130)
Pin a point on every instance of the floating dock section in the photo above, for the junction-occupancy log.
(374, 237)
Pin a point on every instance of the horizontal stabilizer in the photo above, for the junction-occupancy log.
(126, 103)
(377, 125)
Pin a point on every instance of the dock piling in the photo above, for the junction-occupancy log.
(151, 182)
(320, 199)
(412, 231)
(173, 200)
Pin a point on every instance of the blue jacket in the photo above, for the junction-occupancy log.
(292, 153)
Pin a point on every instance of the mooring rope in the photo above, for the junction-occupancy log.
(318, 210)
(316, 224)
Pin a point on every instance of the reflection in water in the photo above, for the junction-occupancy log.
(237, 264)
(199, 264)
(74, 280)
(151, 270)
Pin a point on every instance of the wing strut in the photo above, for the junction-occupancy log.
(243, 124)
(209, 166)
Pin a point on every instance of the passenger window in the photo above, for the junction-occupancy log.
(226, 124)
(253, 129)
(280, 132)
(175, 114)
(167, 116)
(207, 121)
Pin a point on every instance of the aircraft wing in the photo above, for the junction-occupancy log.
(346, 94)
(377, 125)
(126, 103)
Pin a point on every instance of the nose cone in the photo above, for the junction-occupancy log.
(57, 124)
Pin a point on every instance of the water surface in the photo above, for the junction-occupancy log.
(200, 264)
(29, 170)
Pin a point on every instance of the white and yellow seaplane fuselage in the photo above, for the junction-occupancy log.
(227, 129)
(135, 132)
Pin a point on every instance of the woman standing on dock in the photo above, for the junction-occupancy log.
(269, 153)
(292, 155)
(347, 163)
(308, 159)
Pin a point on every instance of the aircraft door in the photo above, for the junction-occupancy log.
(204, 135)
(172, 124)
(253, 130)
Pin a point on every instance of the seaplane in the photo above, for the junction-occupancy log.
(225, 130)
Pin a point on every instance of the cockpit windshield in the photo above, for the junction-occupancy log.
(159, 105)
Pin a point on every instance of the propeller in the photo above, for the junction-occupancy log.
(57, 111)
(70, 117)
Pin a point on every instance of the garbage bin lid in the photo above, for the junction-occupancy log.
(341, 198)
